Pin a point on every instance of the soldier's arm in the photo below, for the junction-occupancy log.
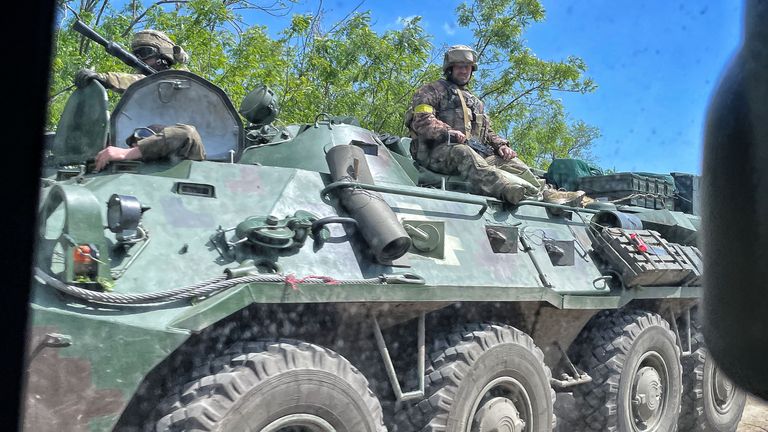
(181, 140)
(500, 146)
(494, 140)
(111, 154)
(118, 81)
(425, 124)
(489, 136)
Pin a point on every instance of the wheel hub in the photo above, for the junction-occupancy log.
(498, 415)
(299, 423)
(648, 393)
(723, 390)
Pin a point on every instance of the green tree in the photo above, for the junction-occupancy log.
(351, 70)
(210, 31)
(519, 88)
(345, 68)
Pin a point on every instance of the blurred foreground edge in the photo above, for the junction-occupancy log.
(27, 120)
(735, 211)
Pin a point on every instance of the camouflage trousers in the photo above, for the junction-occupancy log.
(176, 142)
(508, 180)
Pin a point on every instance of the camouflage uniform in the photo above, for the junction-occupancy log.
(437, 109)
(118, 81)
(176, 142)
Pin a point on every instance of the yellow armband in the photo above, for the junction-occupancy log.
(423, 108)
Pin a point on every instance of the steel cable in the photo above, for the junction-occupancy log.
(201, 289)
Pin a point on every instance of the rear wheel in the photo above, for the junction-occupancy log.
(711, 402)
(487, 377)
(274, 387)
(634, 363)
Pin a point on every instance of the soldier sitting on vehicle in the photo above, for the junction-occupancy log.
(153, 47)
(176, 142)
(451, 134)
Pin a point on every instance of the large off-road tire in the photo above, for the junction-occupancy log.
(480, 377)
(711, 402)
(634, 362)
(273, 386)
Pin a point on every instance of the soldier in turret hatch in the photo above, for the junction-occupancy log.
(452, 135)
(174, 142)
(153, 47)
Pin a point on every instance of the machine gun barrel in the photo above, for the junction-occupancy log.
(113, 48)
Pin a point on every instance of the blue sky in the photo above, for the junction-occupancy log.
(656, 64)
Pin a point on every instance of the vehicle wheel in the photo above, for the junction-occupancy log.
(634, 362)
(711, 402)
(483, 378)
(274, 386)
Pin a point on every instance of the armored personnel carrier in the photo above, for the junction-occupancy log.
(312, 278)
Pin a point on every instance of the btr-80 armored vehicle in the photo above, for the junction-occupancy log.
(304, 278)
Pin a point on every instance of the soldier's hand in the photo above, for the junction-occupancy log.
(83, 77)
(112, 153)
(457, 136)
(507, 153)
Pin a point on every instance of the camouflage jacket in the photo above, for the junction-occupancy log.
(176, 141)
(437, 109)
(118, 81)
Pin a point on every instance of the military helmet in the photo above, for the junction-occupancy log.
(459, 54)
(259, 106)
(146, 43)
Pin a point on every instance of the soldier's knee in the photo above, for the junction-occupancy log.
(464, 156)
(462, 150)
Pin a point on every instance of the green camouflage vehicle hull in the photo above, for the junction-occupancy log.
(308, 282)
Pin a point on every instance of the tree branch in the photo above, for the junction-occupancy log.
(518, 97)
(127, 31)
(346, 17)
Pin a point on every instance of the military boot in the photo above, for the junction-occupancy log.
(567, 198)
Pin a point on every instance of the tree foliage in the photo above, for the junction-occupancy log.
(520, 88)
(344, 68)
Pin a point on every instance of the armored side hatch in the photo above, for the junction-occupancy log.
(83, 127)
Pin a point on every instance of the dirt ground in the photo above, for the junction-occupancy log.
(755, 417)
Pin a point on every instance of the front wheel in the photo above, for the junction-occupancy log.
(274, 387)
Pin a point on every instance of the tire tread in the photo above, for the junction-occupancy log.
(217, 383)
(692, 412)
(451, 357)
(601, 349)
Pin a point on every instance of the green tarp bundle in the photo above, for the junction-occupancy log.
(565, 173)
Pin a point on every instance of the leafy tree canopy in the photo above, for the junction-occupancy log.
(345, 68)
